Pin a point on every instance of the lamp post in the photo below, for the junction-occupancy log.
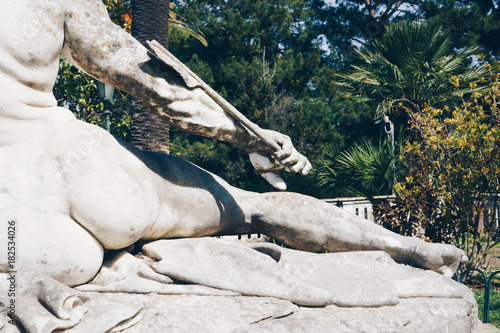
(389, 129)
(106, 92)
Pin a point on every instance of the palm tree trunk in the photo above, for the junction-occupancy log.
(149, 21)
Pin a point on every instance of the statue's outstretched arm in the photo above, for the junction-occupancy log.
(102, 49)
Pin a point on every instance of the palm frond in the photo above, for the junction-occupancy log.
(178, 22)
(414, 60)
(365, 169)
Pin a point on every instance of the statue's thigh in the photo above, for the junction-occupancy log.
(122, 196)
(52, 244)
(111, 193)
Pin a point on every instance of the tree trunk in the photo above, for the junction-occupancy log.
(149, 21)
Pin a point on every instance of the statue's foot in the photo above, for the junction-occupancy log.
(441, 258)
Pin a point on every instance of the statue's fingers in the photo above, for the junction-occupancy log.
(303, 166)
(305, 170)
(274, 180)
(262, 163)
(291, 160)
(446, 271)
(297, 167)
(287, 148)
(282, 154)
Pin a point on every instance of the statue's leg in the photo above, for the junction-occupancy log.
(309, 224)
(303, 222)
(204, 204)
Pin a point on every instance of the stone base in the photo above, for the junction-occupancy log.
(189, 313)
(487, 328)
(299, 292)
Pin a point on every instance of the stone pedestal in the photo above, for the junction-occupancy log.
(221, 286)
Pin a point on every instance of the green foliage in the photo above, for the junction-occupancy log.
(120, 12)
(349, 23)
(178, 22)
(453, 168)
(78, 92)
(365, 169)
(468, 22)
(411, 63)
(494, 314)
(265, 58)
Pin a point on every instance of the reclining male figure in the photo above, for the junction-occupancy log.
(74, 190)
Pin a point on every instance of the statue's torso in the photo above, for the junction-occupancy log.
(30, 43)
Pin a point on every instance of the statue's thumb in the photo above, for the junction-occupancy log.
(274, 180)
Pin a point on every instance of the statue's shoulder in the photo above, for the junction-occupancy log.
(84, 6)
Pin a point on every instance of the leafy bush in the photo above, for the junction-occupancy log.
(453, 169)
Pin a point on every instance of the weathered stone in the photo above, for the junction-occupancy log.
(202, 313)
(487, 328)
(346, 279)
(79, 192)
(375, 293)
(190, 313)
(416, 315)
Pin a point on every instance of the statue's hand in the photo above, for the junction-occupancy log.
(287, 157)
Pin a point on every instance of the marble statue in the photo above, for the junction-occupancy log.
(75, 191)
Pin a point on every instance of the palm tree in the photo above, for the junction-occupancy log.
(366, 169)
(409, 67)
(149, 21)
(412, 64)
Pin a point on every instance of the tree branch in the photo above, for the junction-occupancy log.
(359, 41)
(389, 12)
(371, 8)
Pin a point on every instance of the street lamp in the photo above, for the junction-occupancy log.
(106, 92)
(389, 129)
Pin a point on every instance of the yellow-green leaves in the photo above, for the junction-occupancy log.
(455, 81)
(453, 163)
